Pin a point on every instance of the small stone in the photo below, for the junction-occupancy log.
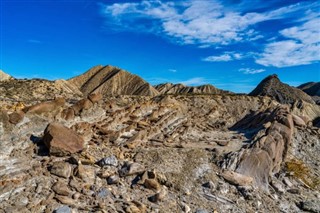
(16, 117)
(86, 173)
(201, 211)
(65, 200)
(63, 209)
(277, 186)
(294, 191)
(103, 193)
(209, 185)
(76, 195)
(131, 169)
(152, 184)
(160, 196)
(113, 179)
(61, 169)
(22, 202)
(61, 188)
(237, 178)
(132, 209)
(287, 182)
(109, 161)
(185, 208)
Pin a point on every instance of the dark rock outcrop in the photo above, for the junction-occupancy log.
(283, 93)
(61, 140)
(311, 88)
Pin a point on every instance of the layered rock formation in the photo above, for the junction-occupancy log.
(283, 93)
(165, 153)
(169, 88)
(4, 76)
(109, 80)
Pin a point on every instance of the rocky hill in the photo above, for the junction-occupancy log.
(62, 151)
(28, 90)
(4, 76)
(283, 93)
(311, 88)
(169, 88)
(109, 80)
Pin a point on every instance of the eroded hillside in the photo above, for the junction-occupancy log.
(160, 154)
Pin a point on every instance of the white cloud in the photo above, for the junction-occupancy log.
(251, 71)
(226, 56)
(300, 47)
(205, 23)
(194, 81)
(172, 70)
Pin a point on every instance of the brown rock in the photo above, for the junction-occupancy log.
(86, 173)
(68, 114)
(44, 107)
(131, 169)
(65, 200)
(298, 121)
(16, 117)
(95, 97)
(236, 178)
(81, 105)
(152, 184)
(61, 140)
(61, 188)
(61, 169)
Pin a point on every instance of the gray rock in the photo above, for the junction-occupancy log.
(131, 169)
(109, 161)
(113, 179)
(209, 185)
(61, 169)
(310, 206)
(103, 193)
(201, 211)
(63, 209)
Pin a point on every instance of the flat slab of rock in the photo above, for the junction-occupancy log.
(61, 140)
(236, 178)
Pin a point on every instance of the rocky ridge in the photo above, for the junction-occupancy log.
(4, 76)
(283, 93)
(109, 80)
(165, 153)
(169, 88)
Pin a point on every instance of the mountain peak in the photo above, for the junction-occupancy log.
(273, 87)
(4, 76)
(111, 80)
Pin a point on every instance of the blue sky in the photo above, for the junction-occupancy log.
(232, 44)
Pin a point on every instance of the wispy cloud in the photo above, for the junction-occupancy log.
(172, 70)
(227, 56)
(214, 23)
(205, 22)
(194, 81)
(251, 71)
(300, 46)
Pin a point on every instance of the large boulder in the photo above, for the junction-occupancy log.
(46, 107)
(61, 140)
